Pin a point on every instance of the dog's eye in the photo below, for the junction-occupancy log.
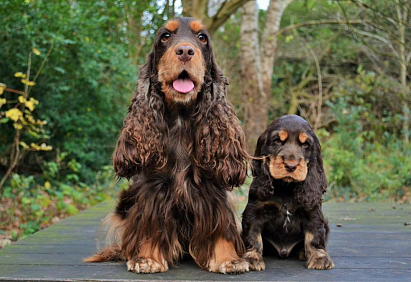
(278, 141)
(305, 145)
(202, 38)
(165, 36)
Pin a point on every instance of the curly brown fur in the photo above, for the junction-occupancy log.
(284, 206)
(184, 152)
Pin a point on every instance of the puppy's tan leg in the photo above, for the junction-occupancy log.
(148, 260)
(255, 255)
(316, 258)
(226, 260)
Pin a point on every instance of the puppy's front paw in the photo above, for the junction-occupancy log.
(238, 266)
(255, 260)
(321, 260)
(146, 265)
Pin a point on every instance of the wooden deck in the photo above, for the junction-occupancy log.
(373, 243)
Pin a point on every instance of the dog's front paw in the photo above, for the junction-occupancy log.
(146, 265)
(321, 260)
(255, 260)
(237, 266)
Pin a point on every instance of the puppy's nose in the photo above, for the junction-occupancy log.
(290, 166)
(184, 52)
(284, 253)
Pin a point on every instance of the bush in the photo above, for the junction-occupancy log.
(31, 203)
(362, 165)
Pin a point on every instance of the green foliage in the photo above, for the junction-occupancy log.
(363, 165)
(88, 79)
(30, 203)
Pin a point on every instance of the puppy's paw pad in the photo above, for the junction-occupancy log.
(321, 263)
(145, 265)
(238, 266)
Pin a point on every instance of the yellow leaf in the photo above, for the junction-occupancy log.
(289, 38)
(87, 39)
(45, 147)
(35, 146)
(2, 87)
(36, 51)
(22, 99)
(20, 74)
(17, 126)
(47, 185)
(30, 105)
(14, 114)
(41, 122)
(30, 119)
(2, 101)
(29, 83)
(98, 51)
(24, 145)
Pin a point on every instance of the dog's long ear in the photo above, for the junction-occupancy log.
(144, 135)
(261, 185)
(310, 192)
(220, 142)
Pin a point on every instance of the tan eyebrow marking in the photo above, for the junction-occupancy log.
(196, 26)
(172, 25)
(303, 137)
(283, 135)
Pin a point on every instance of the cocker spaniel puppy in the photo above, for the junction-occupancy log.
(183, 147)
(284, 205)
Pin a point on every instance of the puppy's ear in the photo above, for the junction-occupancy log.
(261, 186)
(310, 192)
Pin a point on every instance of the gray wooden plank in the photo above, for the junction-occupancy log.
(375, 246)
(190, 272)
(341, 262)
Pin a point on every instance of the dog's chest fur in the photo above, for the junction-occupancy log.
(179, 148)
(284, 217)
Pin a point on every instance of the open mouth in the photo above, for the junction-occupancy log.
(183, 83)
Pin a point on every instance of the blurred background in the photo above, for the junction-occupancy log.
(68, 70)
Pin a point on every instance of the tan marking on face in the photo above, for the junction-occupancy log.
(278, 171)
(170, 67)
(172, 25)
(196, 26)
(283, 135)
(303, 137)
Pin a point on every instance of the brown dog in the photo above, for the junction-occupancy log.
(182, 145)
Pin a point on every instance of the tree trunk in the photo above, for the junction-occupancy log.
(402, 18)
(257, 63)
(252, 87)
(199, 9)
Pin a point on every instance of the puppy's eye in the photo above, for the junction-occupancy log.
(165, 37)
(202, 37)
(305, 145)
(278, 141)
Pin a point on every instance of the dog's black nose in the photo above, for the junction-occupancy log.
(290, 166)
(284, 253)
(184, 52)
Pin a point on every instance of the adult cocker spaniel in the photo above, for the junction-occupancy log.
(284, 205)
(183, 147)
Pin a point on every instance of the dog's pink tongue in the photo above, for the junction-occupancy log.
(183, 85)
